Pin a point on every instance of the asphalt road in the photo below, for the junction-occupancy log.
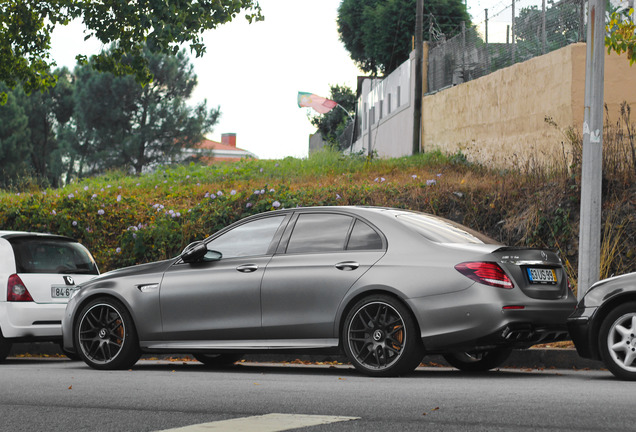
(60, 395)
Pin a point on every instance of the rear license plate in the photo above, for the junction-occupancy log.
(542, 276)
(62, 291)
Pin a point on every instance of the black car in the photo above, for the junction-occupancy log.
(603, 326)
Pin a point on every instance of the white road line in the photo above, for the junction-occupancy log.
(264, 423)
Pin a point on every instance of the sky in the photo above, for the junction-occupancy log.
(254, 72)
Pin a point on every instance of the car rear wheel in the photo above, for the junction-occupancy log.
(105, 335)
(217, 360)
(5, 347)
(381, 338)
(617, 341)
(478, 361)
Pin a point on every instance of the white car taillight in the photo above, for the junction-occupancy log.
(16, 291)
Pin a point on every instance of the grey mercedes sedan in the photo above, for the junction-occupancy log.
(386, 286)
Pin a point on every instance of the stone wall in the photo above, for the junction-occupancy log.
(500, 119)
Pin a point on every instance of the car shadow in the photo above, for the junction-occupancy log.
(333, 370)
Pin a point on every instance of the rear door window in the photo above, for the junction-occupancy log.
(363, 237)
(319, 232)
(58, 256)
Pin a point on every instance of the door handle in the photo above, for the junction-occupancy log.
(347, 265)
(247, 268)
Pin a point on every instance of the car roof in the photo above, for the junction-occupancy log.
(16, 234)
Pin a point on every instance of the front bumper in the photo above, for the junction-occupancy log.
(582, 332)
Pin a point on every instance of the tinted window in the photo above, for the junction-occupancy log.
(363, 237)
(319, 233)
(442, 230)
(249, 239)
(42, 255)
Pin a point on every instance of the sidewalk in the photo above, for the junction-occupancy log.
(544, 358)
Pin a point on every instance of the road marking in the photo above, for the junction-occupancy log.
(264, 423)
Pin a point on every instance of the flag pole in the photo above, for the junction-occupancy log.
(352, 120)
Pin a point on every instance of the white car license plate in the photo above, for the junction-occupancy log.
(539, 275)
(62, 291)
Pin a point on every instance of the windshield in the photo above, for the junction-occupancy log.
(442, 230)
(51, 255)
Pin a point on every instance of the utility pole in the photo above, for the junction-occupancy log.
(592, 167)
(419, 57)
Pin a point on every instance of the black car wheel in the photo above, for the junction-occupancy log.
(217, 360)
(381, 338)
(478, 361)
(5, 347)
(617, 341)
(105, 336)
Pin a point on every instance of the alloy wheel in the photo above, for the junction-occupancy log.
(621, 342)
(376, 335)
(102, 333)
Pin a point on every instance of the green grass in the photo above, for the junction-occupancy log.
(126, 220)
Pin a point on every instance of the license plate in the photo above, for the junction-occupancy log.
(62, 291)
(544, 276)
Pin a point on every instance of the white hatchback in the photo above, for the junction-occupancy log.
(38, 273)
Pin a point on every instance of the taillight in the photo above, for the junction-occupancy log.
(16, 291)
(488, 273)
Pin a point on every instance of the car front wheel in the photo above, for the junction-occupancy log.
(617, 341)
(105, 336)
(478, 361)
(381, 338)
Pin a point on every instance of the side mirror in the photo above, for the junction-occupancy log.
(194, 252)
(198, 252)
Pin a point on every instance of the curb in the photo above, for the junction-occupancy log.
(533, 358)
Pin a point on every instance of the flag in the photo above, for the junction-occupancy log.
(320, 104)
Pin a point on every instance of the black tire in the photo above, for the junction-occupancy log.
(481, 361)
(70, 355)
(217, 360)
(105, 335)
(5, 347)
(617, 341)
(381, 338)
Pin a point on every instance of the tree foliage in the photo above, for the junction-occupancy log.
(121, 124)
(621, 34)
(160, 25)
(333, 124)
(378, 34)
(93, 121)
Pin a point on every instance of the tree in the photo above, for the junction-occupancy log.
(121, 124)
(15, 148)
(159, 25)
(333, 124)
(621, 34)
(561, 23)
(378, 34)
(28, 126)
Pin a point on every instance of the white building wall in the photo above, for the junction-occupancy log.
(385, 109)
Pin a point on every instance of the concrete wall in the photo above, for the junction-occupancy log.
(386, 111)
(499, 119)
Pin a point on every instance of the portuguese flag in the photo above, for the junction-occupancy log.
(320, 104)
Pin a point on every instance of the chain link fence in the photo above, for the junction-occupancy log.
(516, 32)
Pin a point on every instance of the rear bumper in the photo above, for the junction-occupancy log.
(28, 320)
(481, 319)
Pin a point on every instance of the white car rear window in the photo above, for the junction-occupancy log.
(54, 255)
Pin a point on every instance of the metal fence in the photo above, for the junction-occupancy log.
(516, 32)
